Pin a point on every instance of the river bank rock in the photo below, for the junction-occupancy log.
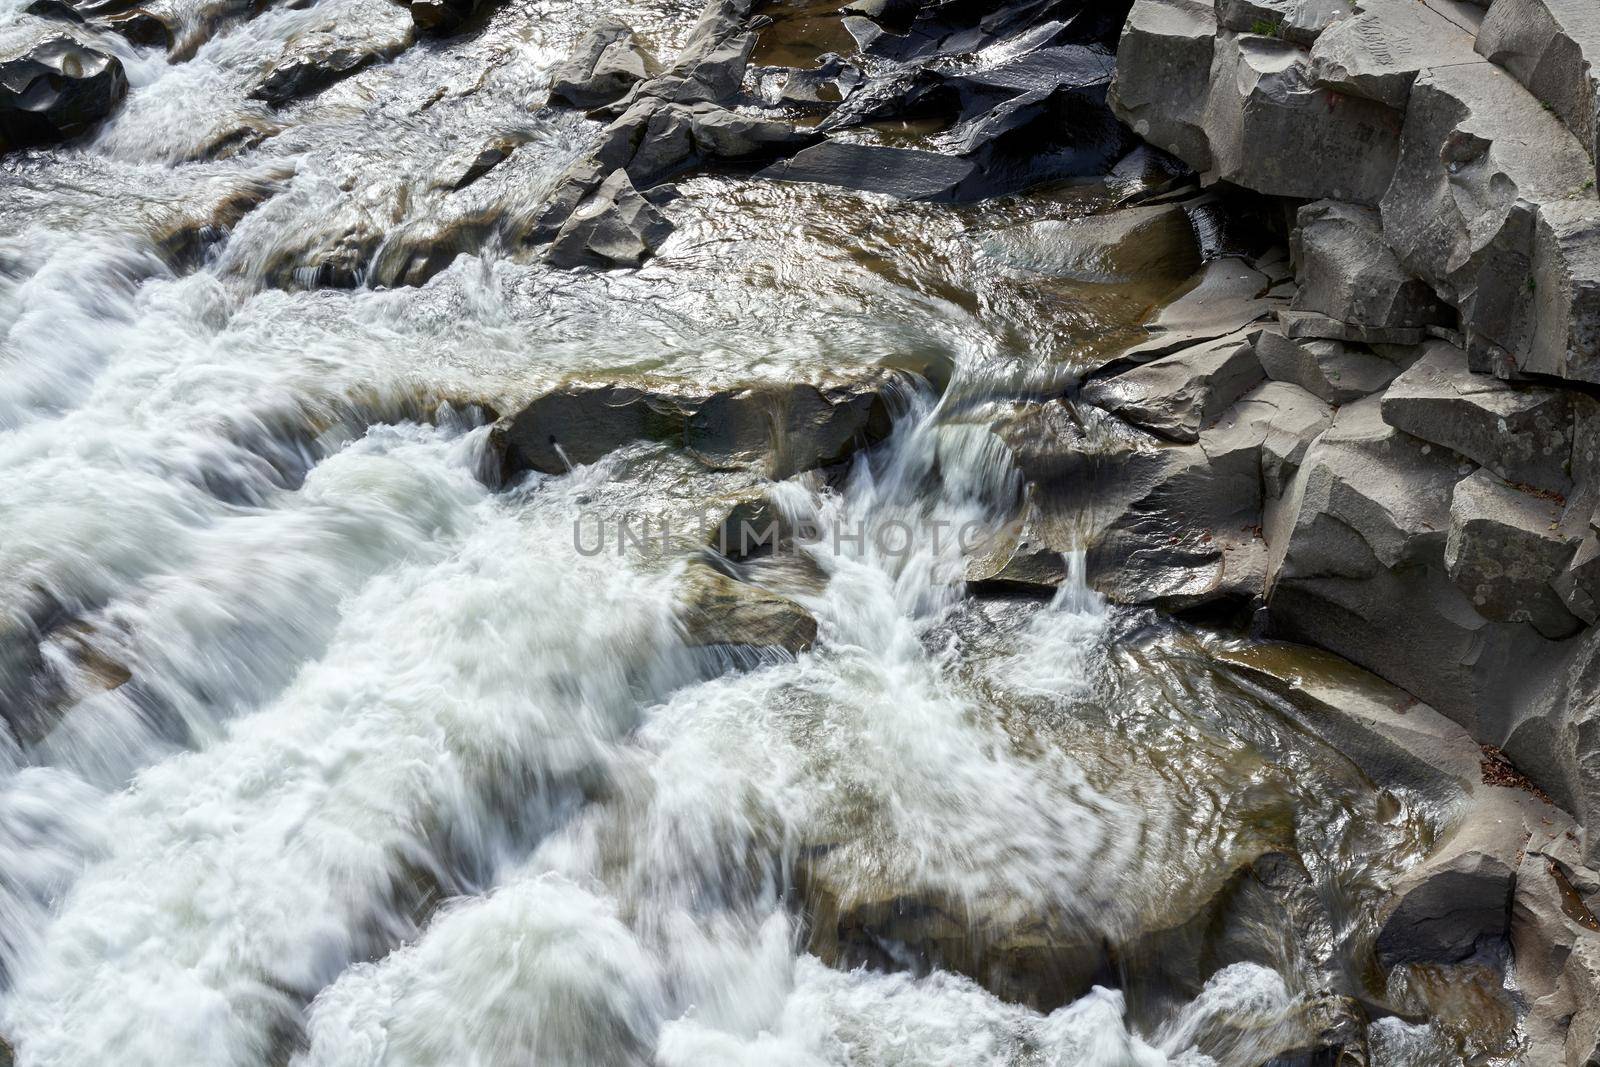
(1335, 371)
(1553, 48)
(53, 87)
(1174, 396)
(780, 428)
(1505, 551)
(1348, 275)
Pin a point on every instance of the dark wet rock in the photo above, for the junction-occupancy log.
(1522, 433)
(1262, 94)
(1175, 396)
(907, 173)
(1347, 273)
(1553, 48)
(1225, 298)
(1456, 904)
(1379, 52)
(1505, 549)
(1299, 21)
(781, 428)
(440, 18)
(1333, 370)
(1131, 244)
(1397, 741)
(716, 610)
(608, 62)
(613, 227)
(319, 56)
(53, 87)
(1163, 77)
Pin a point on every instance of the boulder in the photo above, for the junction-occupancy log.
(1456, 904)
(607, 63)
(1505, 549)
(318, 56)
(53, 86)
(1466, 203)
(710, 66)
(1553, 48)
(1289, 419)
(1347, 273)
(1172, 525)
(1299, 21)
(1263, 94)
(1378, 53)
(1554, 734)
(717, 611)
(1131, 244)
(613, 227)
(781, 428)
(1539, 313)
(1522, 433)
(1175, 396)
(1332, 370)
(1163, 77)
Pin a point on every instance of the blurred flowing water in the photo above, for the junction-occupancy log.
(324, 752)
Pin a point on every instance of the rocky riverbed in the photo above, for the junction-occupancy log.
(1057, 532)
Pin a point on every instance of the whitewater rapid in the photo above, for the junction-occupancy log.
(328, 749)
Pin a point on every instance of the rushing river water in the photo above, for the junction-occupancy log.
(327, 751)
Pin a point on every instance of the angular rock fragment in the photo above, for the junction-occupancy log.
(1262, 93)
(605, 65)
(1347, 273)
(1522, 433)
(1333, 370)
(1504, 551)
(907, 173)
(1556, 937)
(1175, 396)
(1163, 77)
(613, 227)
(53, 87)
(1456, 904)
(1482, 163)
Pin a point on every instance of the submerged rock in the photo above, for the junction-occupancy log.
(53, 87)
(317, 57)
(1131, 244)
(781, 428)
(718, 611)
